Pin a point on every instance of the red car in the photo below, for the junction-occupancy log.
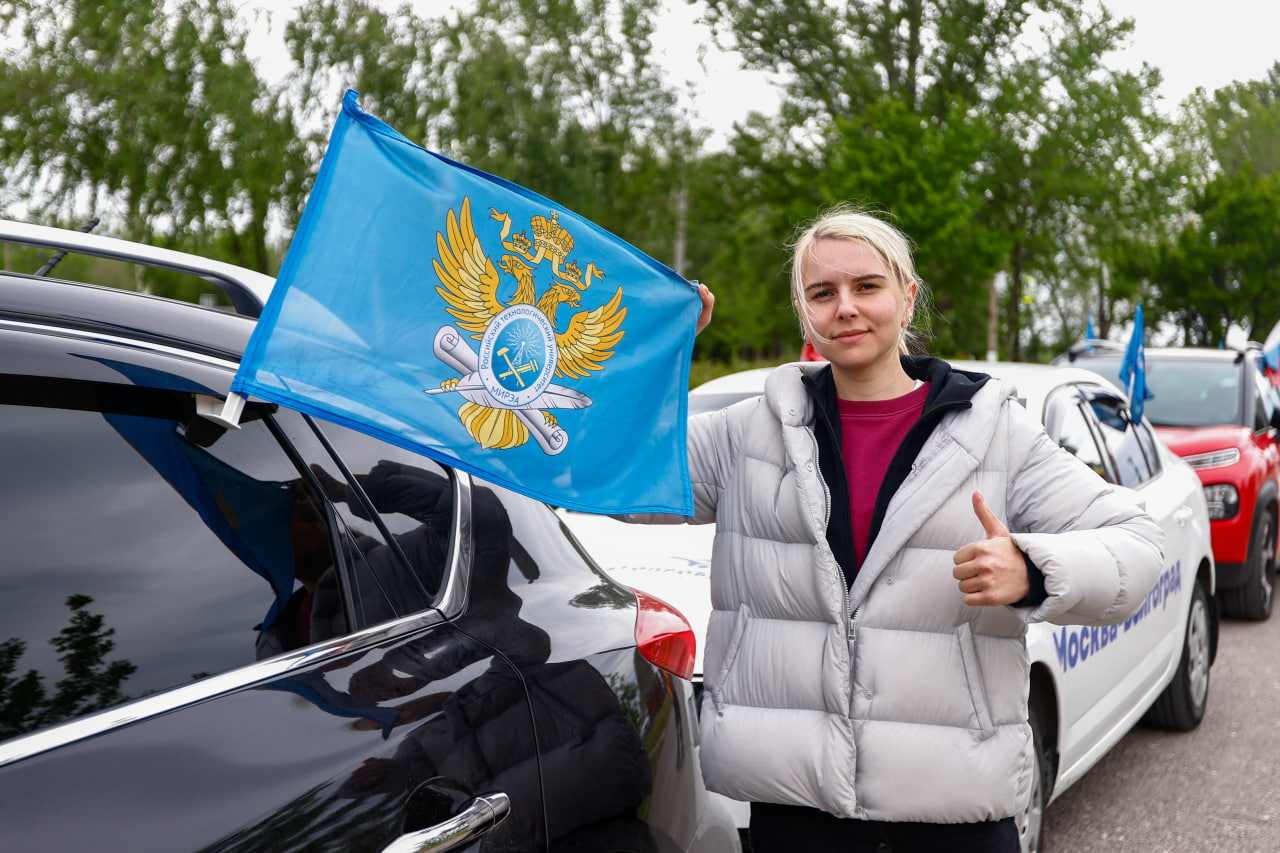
(1217, 410)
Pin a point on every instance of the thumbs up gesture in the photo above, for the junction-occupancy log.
(991, 571)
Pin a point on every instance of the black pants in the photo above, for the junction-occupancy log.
(790, 829)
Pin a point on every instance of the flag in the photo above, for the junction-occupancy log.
(1271, 356)
(458, 315)
(1133, 370)
(1088, 332)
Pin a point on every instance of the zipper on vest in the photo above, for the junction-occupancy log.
(851, 625)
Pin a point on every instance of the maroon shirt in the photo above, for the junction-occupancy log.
(870, 432)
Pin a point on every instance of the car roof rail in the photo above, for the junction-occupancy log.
(1089, 344)
(248, 290)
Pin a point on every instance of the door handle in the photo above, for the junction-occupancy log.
(478, 815)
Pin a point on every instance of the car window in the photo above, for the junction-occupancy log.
(411, 513)
(1148, 442)
(1265, 401)
(1067, 424)
(1121, 441)
(138, 559)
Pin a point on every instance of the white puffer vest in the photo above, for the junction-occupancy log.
(893, 700)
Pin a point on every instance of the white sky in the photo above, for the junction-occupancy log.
(1193, 43)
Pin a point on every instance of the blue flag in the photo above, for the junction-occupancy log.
(1133, 370)
(460, 316)
(1271, 356)
(1088, 332)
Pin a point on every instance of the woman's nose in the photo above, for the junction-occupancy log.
(847, 305)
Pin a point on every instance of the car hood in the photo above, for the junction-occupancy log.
(1189, 441)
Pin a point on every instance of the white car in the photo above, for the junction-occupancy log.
(1089, 686)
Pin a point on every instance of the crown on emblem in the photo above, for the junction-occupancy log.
(521, 241)
(548, 235)
(573, 271)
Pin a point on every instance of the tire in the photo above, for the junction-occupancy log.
(1031, 821)
(1255, 599)
(1181, 705)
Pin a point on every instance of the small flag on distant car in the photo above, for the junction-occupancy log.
(458, 315)
(1133, 370)
(1271, 356)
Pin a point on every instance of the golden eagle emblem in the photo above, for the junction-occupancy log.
(507, 385)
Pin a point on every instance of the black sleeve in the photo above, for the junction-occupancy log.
(1037, 593)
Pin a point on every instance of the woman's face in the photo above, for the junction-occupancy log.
(854, 302)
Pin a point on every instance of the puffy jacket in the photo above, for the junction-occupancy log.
(893, 699)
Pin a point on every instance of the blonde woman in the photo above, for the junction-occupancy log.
(886, 528)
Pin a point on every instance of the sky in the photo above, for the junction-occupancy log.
(1193, 43)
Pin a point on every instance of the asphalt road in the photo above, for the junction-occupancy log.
(1216, 788)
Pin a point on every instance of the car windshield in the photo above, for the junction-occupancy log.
(1188, 393)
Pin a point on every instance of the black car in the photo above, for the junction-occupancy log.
(289, 636)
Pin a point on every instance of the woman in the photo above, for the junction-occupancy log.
(886, 527)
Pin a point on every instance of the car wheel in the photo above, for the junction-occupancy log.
(1181, 705)
(1031, 821)
(1254, 599)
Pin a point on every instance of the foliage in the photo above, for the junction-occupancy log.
(1240, 124)
(91, 683)
(1223, 266)
(148, 112)
(991, 131)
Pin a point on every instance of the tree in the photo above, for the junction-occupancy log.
(91, 683)
(982, 143)
(1239, 125)
(149, 114)
(563, 98)
(1222, 267)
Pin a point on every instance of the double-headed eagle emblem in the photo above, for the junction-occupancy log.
(507, 384)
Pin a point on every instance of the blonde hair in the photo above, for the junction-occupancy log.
(847, 222)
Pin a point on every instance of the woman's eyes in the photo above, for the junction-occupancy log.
(822, 294)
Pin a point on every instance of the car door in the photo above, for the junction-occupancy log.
(1109, 674)
(202, 649)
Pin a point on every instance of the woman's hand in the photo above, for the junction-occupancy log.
(991, 571)
(708, 304)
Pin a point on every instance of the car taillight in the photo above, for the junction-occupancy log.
(664, 636)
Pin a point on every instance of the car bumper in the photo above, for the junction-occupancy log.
(1230, 575)
(1231, 538)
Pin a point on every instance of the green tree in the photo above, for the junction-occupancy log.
(1239, 125)
(1223, 266)
(149, 114)
(563, 98)
(982, 142)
